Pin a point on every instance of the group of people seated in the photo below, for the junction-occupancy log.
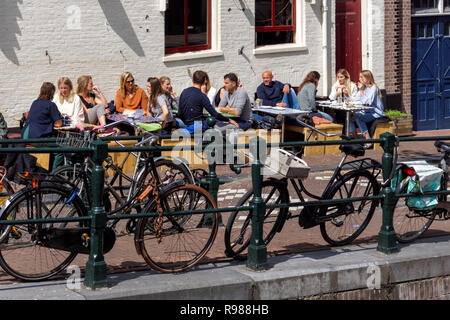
(87, 104)
(366, 92)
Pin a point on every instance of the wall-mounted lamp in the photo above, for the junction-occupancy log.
(241, 51)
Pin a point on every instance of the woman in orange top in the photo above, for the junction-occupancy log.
(130, 97)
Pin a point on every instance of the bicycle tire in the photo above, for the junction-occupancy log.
(341, 231)
(6, 192)
(184, 248)
(168, 172)
(411, 224)
(273, 192)
(71, 173)
(25, 257)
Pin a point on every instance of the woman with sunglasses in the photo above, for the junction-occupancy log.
(130, 97)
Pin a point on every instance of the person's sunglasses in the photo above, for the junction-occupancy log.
(130, 81)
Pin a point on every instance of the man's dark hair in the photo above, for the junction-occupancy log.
(199, 77)
(232, 77)
(47, 91)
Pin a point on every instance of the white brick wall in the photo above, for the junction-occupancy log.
(376, 40)
(39, 42)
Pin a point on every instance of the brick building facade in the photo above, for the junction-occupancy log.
(398, 52)
(43, 41)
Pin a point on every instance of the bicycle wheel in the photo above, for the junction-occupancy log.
(410, 224)
(73, 173)
(347, 220)
(239, 226)
(24, 255)
(169, 172)
(184, 240)
(6, 191)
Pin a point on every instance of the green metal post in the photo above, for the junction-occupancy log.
(257, 250)
(96, 266)
(387, 240)
(212, 180)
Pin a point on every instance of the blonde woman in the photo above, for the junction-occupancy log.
(68, 102)
(130, 97)
(343, 87)
(92, 100)
(171, 95)
(368, 94)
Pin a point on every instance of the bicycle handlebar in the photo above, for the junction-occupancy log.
(152, 138)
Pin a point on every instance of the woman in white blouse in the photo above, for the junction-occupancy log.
(343, 87)
(68, 102)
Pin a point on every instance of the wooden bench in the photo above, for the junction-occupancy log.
(244, 137)
(43, 159)
(380, 129)
(331, 128)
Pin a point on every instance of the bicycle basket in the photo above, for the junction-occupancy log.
(285, 163)
(74, 139)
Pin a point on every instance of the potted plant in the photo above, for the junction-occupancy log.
(403, 122)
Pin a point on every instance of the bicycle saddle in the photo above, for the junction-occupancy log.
(355, 150)
(442, 145)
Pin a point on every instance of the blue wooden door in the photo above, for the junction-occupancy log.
(445, 73)
(430, 90)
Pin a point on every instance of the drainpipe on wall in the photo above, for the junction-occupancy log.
(325, 47)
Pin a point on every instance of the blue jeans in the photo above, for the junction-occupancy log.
(291, 100)
(180, 123)
(361, 119)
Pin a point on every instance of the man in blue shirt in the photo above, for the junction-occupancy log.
(192, 103)
(271, 92)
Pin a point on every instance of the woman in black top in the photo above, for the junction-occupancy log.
(43, 114)
(42, 118)
(94, 105)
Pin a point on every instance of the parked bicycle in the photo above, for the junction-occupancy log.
(339, 224)
(121, 189)
(168, 243)
(409, 220)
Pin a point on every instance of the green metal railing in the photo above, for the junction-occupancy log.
(96, 275)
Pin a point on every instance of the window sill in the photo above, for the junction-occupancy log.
(192, 55)
(279, 48)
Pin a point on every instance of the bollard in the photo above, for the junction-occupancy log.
(257, 250)
(387, 239)
(96, 266)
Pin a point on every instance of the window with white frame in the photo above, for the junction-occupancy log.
(447, 6)
(430, 6)
(187, 25)
(275, 22)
